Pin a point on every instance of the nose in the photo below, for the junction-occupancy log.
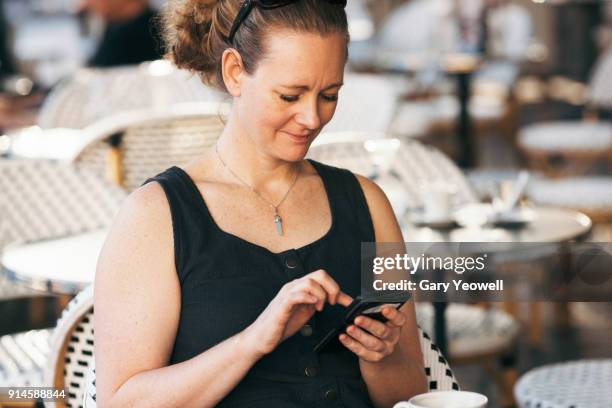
(308, 115)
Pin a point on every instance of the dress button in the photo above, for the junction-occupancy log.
(306, 330)
(311, 371)
(330, 395)
(291, 262)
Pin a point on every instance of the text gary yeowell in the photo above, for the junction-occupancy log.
(413, 264)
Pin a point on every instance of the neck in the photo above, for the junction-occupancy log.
(259, 169)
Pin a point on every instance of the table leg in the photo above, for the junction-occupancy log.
(464, 128)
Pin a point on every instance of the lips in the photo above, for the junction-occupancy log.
(297, 137)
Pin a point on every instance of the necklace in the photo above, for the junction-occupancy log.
(278, 221)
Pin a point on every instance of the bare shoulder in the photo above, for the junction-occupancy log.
(386, 227)
(136, 291)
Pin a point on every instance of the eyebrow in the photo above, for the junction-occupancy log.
(306, 87)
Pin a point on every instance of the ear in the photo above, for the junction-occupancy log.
(232, 70)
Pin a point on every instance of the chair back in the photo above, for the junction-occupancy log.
(413, 165)
(94, 93)
(133, 146)
(71, 358)
(43, 199)
(440, 377)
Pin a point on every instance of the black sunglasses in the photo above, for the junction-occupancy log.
(248, 5)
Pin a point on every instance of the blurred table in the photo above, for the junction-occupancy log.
(581, 383)
(36, 143)
(550, 225)
(59, 266)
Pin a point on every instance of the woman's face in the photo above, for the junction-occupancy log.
(293, 92)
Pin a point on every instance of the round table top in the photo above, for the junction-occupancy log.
(582, 383)
(64, 265)
(549, 225)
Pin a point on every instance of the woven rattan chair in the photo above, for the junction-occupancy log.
(94, 93)
(574, 147)
(132, 146)
(412, 165)
(70, 363)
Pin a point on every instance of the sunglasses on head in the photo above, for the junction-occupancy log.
(248, 5)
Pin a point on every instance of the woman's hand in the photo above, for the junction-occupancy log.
(292, 307)
(372, 340)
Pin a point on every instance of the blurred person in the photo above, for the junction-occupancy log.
(131, 34)
(212, 269)
(18, 103)
(509, 30)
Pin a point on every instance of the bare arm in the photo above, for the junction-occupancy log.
(137, 306)
(401, 374)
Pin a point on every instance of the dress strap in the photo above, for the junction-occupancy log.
(188, 221)
(347, 198)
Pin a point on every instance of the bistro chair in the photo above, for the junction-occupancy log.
(94, 93)
(573, 147)
(580, 383)
(71, 364)
(410, 164)
(130, 147)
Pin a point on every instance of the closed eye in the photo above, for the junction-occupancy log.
(289, 98)
(330, 98)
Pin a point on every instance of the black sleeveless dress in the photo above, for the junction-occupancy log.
(226, 282)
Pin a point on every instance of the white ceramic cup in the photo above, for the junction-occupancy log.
(437, 204)
(448, 399)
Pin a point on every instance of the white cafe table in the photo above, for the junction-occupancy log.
(59, 266)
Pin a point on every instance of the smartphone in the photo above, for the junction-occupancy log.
(371, 308)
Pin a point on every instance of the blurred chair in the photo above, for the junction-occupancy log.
(410, 164)
(581, 383)
(573, 147)
(133, 146)
(70, 362)
(91, 94)
(44, 199)
(367, 103)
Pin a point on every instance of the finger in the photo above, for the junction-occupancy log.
(369, 341)
(328, 283)
(378, 329)
(315, 289)
(358, 348)
(394, 317)
(298, 297)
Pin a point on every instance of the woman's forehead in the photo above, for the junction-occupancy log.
(298, 55)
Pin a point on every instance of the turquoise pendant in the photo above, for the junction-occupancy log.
(279, 225)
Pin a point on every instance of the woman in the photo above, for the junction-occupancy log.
(218, 278)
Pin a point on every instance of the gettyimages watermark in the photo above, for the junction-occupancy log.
(499, 271)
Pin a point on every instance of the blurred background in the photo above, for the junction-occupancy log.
(483, 120)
